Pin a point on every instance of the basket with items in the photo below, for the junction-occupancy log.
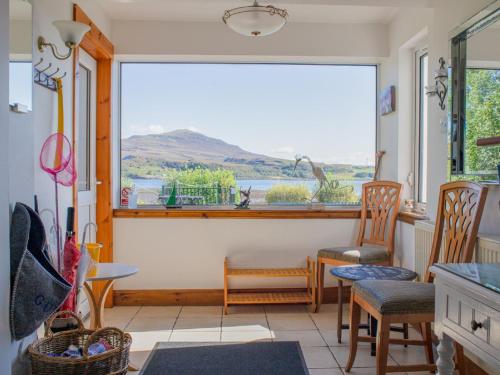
(80, 351)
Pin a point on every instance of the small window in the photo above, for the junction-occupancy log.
(20, 81)
(84, 123)
(475, 87)
(421, 75)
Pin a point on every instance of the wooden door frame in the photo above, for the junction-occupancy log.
(101, 49)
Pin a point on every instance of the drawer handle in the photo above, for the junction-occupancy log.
(475, 325)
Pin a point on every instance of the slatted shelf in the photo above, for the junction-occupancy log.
(242, 298)
(268, 272)
(264, 296)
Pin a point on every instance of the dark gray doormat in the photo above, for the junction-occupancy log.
(263, 358)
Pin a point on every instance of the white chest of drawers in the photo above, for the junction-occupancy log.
(468, 312)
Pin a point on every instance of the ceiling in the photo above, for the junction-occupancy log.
(303, 11)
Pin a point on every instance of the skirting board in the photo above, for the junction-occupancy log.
(196, 297)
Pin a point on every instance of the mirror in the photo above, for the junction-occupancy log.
(20, 56)
(475, 137)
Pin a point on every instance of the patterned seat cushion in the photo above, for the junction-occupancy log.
(356, 254)
(397, 297)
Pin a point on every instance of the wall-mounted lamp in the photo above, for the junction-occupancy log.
(441, 87)
(71, 33)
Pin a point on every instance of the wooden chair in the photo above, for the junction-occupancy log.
(459, 213)
(380, 201)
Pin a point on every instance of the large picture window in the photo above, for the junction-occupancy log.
(194, 134)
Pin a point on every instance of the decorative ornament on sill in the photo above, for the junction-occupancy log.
(255, 20)
(244, 199)
(440, 89)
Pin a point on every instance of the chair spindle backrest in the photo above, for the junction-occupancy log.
(459, 211)
(380, 201)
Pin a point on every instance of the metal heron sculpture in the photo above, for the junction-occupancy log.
(317, 172)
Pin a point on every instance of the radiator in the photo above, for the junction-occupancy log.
(487, 247)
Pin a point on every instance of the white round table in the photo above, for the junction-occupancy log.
(107, 272)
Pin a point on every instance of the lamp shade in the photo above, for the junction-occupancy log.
(255, 20)
(71, 32)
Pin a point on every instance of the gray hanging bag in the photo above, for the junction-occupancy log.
(37, 289)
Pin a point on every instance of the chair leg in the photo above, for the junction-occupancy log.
(340, 305)
(427, 336)
(383, 333)
(459, 358)
(405, 333)
(321, 284)
(354, 319)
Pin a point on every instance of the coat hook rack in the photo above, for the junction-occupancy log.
(43, 78)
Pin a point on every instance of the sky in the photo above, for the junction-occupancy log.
(20, 83)
(327, 112)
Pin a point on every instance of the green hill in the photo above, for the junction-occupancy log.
(148, 156)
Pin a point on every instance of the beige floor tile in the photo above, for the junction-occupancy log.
(305, 338)
(121, 312)
(150, 324)
(245, 310)
(186, 337)
(120, 323)
(203, 311)
(325, 371)
(328, 308)
(370, 371)
(363, 356)
(286, 309)
(159, 312)
(199, 324)
(319, 357)
(147, 340)
(247, 323)
(290, 322)
(245, 336)
(327, 321)
(409, 355)
(330, 336)
(137, 359)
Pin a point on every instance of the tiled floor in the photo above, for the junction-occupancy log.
(315, 332)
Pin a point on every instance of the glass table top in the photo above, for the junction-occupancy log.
(486, 274)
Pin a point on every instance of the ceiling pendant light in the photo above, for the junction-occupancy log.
(255, 20)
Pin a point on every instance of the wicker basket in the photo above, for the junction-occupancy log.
(113, 361)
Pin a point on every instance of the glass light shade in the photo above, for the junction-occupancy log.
(255, 20)
(71, 32)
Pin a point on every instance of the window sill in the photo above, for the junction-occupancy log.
(255, 213)
(411, 217)
(252, 213)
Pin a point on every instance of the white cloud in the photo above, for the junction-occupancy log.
(357, 158)
(284, 150)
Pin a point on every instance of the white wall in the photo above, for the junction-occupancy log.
(5, 357)
(189, 253)
(213, 38)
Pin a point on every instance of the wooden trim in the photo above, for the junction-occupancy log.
(95, 42)
(195, 297)
(237, 214)
(410, 217)
(491, 141)
(101, 49)
(157, 213)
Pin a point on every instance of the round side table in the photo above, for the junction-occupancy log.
(107, 272)
(353, 273)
